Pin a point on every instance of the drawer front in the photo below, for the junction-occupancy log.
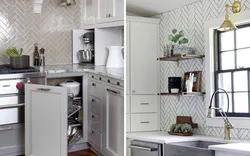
(95, 137)
(144, 104)
(96, 89)
(128, 122)
(144, 122)
(95, 105)
(127, 104)
(95, 121)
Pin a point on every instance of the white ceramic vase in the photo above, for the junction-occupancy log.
(115, 58)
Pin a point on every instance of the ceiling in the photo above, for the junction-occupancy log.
(149, 8)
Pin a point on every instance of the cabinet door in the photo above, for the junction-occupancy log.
(143, 56)
(90, 10)
(45, 120)
(103, 9)
(116, 8)
(114, 122)
(127, 54)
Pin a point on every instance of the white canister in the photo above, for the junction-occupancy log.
(115, 58)
(72, 86)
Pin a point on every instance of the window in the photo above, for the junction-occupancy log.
(232, 71)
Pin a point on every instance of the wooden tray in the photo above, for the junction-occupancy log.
(180, 134)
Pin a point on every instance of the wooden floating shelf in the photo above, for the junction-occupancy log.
(184, 94)
(180, 57)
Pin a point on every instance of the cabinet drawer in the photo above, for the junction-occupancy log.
(127, 104)
(95, 105)
(95, 121)
(128, 122)
(144, 104)
(96, 89)
(144, 122)
(95, 137)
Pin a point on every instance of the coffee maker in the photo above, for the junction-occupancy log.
(87, 55)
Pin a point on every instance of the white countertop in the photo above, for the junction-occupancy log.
(117, 73)
(233, 146)
(237, 148)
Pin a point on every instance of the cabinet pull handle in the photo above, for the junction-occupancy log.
(108, 81)
(144, 103)
(118, 83)
(93, 84)
(113, 91)
(44, 89)
(11, 106)
(145, 122)
(93, 100)
(93, 76)
(93, 116)
(6, 128)
(92, 132)
(100, 78)
(143, 148)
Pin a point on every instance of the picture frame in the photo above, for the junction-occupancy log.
(197, 81)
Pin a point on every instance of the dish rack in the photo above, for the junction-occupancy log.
(74, 107)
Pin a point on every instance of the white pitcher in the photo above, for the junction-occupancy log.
(115, 58)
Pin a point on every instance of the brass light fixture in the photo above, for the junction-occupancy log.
(228, 25)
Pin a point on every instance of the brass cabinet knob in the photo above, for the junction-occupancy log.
(133, 91)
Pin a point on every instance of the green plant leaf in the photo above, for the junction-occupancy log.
(184, 40)
(181, 33)
(174, 31)
(170, 37)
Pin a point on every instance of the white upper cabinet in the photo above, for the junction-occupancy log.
(114, 122)
(45, 120)
(111, 10)
(143, 51)
(90, 11)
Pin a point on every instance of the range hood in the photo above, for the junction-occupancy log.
(38, 6)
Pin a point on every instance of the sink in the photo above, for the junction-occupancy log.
(190, 148)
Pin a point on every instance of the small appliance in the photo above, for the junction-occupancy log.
(86, 55)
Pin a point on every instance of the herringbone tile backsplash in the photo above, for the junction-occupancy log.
(21, 28)
(191, 19)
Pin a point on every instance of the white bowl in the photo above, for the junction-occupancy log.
(175, 90)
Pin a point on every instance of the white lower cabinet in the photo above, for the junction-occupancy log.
(46, 120)
(144, 104)
(106, 116)
(128, 128)
(113, 119)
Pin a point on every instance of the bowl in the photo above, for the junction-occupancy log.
(175, 90)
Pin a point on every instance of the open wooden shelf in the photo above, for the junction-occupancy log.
(181, 57)
(184, 94)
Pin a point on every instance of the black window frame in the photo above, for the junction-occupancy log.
(218, 70)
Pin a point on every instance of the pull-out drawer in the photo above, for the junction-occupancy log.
(96, 89)
(144, 122)
(95, 121)
(127, 122)
(95, 105)
(144, 104)
(95, 137)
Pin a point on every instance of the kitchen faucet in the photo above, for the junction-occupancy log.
(228, 126)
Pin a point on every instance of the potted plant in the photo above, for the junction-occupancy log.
(178, 40)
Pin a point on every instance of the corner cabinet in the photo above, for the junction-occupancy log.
(46, 120)
(142, 111)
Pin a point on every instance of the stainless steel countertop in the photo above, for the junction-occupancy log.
(71, 69)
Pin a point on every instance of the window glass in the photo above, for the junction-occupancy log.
(227, 60)
(225, 81)
(227, 41)
(242, 37)
(223, 101)
(240, 81)
(243, 58)
(241, 102)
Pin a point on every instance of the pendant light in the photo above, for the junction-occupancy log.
(228, 25)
